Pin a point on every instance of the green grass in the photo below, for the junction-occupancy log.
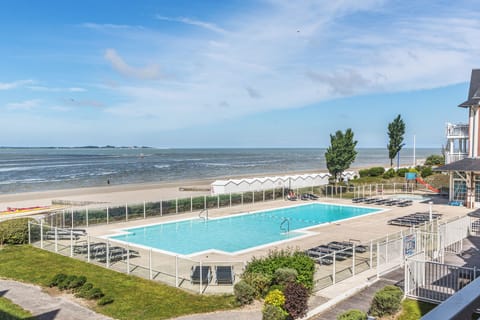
(414, 310)
(135, 298)
(11, 311)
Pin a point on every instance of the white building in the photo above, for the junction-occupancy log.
(265, 183)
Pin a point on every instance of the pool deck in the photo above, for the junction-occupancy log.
(362, 229)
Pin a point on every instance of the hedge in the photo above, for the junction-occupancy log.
(14, 231)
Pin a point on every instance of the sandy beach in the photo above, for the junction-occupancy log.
(122, 193)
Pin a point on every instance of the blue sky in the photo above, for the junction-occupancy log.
(232, 73)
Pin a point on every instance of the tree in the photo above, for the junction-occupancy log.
(341, 153)
(396, 130)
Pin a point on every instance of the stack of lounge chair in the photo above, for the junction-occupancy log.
(343, 250)
(383, 201)
(98, 251)
(65, 234)
(413, 219)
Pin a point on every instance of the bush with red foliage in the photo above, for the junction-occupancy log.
(296, 299)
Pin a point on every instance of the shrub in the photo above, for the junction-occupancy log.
(259, 281)
(401, 172)
(364, 173)
(275, 298)
(376, 171)
(82, 292)
(58, 278)
(386, 301)
(276, 287)
(244, 293)
(94, 293)
(435, 160)
(390, 173)
(276, 259)
(282, 276)
(352, 314)
(77, 283)
(14, 231)
(372, 172)
(271, 312)
(426, 171)
(296, 299)
(105, 300)
(66, 282)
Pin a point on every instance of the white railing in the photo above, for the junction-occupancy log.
(144, 262)
(457, 130)
(454, 156)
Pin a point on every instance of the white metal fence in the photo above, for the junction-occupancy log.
(96, 214)
(427, 278)
(148, 263)
(56, 233)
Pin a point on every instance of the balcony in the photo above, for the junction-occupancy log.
(454, 156)
(457, 130)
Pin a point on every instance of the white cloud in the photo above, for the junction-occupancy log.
(110, 26)
(23, 105)
(14, 84)
(56, 89)
(202, 24)
(291, 55)
(147, 73)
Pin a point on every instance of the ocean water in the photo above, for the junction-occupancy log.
(31, 169)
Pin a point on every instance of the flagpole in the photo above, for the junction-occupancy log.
(414, 162)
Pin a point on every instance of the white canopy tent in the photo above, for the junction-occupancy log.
(265, 183)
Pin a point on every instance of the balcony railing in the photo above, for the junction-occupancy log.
(457, 130)
(455, 156)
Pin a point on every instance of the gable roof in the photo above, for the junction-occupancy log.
(467, 164)
(474, 91)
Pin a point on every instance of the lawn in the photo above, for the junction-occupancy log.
(414, 310)
(10, 311)
(135, 298)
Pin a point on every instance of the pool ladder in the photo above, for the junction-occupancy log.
(205, 218)
(282, 225)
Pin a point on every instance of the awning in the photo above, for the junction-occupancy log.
(467, 164)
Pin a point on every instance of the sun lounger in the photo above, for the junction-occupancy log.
(392, 202)
(203, 275)
(405, 203)
(325, 260)
(61, 235)
(370, 200)
(381, 201)
(224, 274)
(346, 244)
(305, 197)
(340, 256)
(312, 196)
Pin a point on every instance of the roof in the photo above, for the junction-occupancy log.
(467, 164)
(474, 91)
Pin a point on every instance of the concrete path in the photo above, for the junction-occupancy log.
(362, 299)
(44, 306)
(222, 315)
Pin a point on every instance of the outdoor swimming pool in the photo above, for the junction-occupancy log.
(239, 232)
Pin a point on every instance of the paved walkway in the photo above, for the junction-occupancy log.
(362, 299)
(42, 305)
(222, 315)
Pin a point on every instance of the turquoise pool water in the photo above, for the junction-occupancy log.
(239, 232)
